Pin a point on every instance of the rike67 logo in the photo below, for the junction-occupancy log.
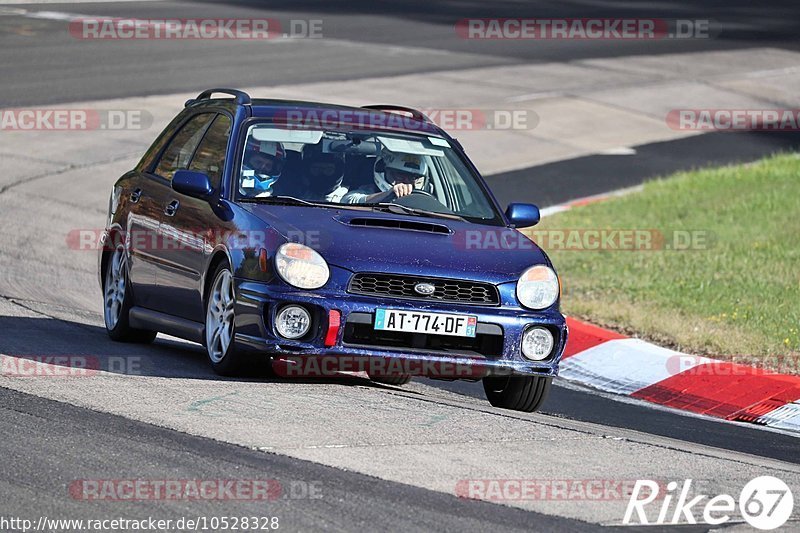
(765, 503)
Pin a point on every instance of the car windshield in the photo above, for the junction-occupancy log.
(414, 174)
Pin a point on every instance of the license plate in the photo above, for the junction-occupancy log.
(423, 322)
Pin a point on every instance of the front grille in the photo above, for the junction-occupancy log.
(445, 290)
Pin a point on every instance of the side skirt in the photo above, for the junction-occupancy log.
(142, 318)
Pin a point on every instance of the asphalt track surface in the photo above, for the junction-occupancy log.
(595, 174)
(33, 482)
(361, 39)
(48, 444)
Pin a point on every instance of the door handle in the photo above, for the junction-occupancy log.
(136, 195)
(171, 208)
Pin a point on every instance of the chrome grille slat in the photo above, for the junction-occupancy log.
(446, 290)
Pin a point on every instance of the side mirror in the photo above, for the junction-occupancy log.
(523, 215)
(191, 183)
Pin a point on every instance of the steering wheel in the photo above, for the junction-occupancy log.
(392, 197)
(419, 199)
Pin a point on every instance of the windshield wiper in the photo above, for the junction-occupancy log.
(405, 210)
(282, 200)
(291, 200)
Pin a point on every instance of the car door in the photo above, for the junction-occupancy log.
(141, 226)
(176, 156)
(190, 223)
(142, 217)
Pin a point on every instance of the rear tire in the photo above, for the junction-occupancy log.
(518, 393)
(118, 300)
(395, 379)
(220, 326)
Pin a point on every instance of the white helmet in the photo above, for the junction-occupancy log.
(402, 162)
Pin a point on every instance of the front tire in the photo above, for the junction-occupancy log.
(221, 324)
(518, 393)
(117, 301)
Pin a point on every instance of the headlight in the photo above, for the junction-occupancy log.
(537, 287)
(300, 266)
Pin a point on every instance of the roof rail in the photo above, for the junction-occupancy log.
(241, 97)
(415, 113)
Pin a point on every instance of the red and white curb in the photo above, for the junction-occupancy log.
(614, 363)
(617, 364)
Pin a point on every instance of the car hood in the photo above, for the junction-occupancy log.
(367, 241)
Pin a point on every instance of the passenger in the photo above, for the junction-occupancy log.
(263, 164)
(323, 175)
(402, 174)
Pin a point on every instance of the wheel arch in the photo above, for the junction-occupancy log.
(107, 247)
(219, 256)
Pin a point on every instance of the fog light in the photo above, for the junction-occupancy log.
(537, 343)
(292, 322)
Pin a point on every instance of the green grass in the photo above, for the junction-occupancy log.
(740, 296)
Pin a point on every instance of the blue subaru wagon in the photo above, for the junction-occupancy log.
(330, 238)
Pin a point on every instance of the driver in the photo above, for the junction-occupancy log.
(402, 174)
(263, 164)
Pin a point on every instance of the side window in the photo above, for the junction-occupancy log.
(210, 155)
(179, 151)
(150, 155)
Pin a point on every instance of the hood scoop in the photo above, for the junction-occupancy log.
(396, 223)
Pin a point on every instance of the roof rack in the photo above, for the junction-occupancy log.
(415, 113)
(240, 97)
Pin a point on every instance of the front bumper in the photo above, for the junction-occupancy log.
(257, 304)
